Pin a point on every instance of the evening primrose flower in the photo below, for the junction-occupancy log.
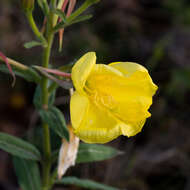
(110, 100)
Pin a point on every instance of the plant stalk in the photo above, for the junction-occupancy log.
(46, 140)
(34, 28)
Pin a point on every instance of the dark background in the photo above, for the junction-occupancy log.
(154, 33)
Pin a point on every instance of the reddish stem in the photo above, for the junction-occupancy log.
(71, 7)
(9, 67)
(64, 5)
(57, 72)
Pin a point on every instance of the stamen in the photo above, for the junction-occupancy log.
(100, 98)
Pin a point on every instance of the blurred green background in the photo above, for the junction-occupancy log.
(154, 33)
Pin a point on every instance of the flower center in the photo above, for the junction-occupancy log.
(97, 89)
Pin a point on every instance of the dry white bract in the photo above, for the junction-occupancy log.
(67, 153)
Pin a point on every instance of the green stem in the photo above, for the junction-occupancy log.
(35, 28)
(46, 132)
(55, 17)
(47, 144)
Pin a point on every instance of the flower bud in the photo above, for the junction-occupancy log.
(27, 5)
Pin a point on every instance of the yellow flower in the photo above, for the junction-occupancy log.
(110, 100)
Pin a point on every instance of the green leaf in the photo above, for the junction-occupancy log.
(73, 17)
(54, 156)
(35, 136)
(61, 14)
(59, 26)
(40, 4)
(18, 147)
(55, 119)
(52, 98)
(28, 74)
(63, 83)
(32, 44)
(37, 100)
(94, 152)
(61, 129)
(84, 183)
(81, 9)
(28, 174)
(81, 19)
(66, 24)
(44, 6)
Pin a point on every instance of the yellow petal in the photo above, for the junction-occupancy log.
(106, 70)
(128, 68)
(139, 83)
(82, 69)
(138, 71)
(132, 129)
(116, 100)
(127, 94)
(91, 123)
(78, 108)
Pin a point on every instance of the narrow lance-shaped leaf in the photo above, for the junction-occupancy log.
(30, 74)
(63, 83)
(61, 14)
(55, 119)
(55, 71)
(37, 100)
(81, 9)
(94, 152)
(18, 147)
(44, 6)
(81, 19)
(40, 4)
(28, 174)
(62, 24)
(71, 19)
(31, 44)
(85, 183)
(21, 70)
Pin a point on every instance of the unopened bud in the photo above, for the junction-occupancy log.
(27, 5)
